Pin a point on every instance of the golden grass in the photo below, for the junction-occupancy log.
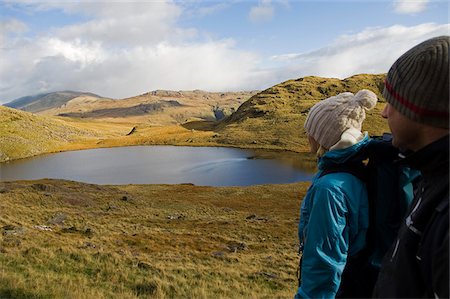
(272, 119)
(162, 241)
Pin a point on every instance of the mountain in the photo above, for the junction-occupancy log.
(270, 119)
(45, 101)
(23, 134)
(274, 118)
(159, 107)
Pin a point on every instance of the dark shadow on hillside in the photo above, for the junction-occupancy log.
(138, 110)
(18, 293)
(200, 125)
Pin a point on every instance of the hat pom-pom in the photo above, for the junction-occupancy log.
(366, 99)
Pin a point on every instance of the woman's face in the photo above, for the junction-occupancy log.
(313, 144)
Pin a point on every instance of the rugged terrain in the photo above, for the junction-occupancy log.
(271, 119)
(62, 239)
(45, 101)
(159, 107)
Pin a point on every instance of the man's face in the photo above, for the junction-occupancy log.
(404, 131)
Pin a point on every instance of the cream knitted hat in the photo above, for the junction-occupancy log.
(329, 118)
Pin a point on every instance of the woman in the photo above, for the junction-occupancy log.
(334, 212)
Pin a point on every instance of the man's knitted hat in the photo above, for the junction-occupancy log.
(417, 85)
(329, 118)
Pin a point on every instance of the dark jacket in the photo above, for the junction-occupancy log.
(417, 265)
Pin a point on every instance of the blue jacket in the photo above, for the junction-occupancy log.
(334, 218)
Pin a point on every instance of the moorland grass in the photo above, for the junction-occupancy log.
(64, 239)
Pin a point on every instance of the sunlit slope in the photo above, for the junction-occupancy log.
(62, 239)
(158, 107)
(271, 119)
(274, 118)
(24, 134)
(43, 102)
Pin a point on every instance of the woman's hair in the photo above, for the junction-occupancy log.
(321, 151)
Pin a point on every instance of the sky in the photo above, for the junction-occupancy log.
(124, 48)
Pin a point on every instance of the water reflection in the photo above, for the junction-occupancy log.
(212, 166)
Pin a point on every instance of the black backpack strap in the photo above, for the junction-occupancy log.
(356, 169)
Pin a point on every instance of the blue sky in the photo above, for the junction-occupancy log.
(124, 48)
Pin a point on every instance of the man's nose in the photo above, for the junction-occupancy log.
(385, 111)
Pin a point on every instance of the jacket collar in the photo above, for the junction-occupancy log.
(432, 159)
(342, 155)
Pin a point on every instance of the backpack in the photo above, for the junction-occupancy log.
(390, 192)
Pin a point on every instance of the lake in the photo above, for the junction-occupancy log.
(207, 166)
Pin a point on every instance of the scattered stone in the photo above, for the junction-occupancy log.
(132, 131)
(111, 207)
(235, 247)
(58, 219)
(8, 227)
(176, 217)
(88, 245)
(11, 230)
(218, 254)
(41, 187)
(43, 227)
(256, 217)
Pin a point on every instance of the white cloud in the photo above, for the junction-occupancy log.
(51, 64)
(410, 6)
(126, 23)
(370, 51)
(211, 9)
(11, 27)
(263, 12)
(122, 51)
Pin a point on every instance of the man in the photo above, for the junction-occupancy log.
(417, 92)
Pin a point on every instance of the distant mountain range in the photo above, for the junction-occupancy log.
(270, 119)
(159, 107)
(45, 101)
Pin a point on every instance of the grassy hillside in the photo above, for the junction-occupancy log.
(62, 239)
(153, 108)
(274, 118)
(46, 101)
(271, 119)
(23, 134)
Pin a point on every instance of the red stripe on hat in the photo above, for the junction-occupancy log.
(411, 106)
